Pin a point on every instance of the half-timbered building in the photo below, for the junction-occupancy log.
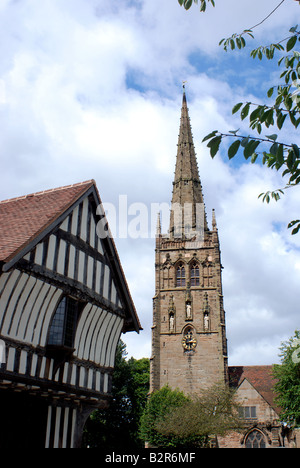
(64, 302)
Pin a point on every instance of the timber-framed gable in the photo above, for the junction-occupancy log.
(64, 302)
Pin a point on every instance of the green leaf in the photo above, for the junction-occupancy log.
(295, 177)
(292, 224)
(244, 142)
(214, 145)
(253, 53)
(237, 107)
(272, 137)
(296, 150)
(290, 160)
(256, 113)
(296, 230)
(291, 43)
(280, 120)
(203, 6)
(254, 158)
(266, 197)
(210, 135)
(268, 117)
(250, 148)
(245, 111)
(273, 149)
(280, 156)
(233, 149)
(287, 171)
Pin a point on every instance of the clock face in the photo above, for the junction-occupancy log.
(189, 342)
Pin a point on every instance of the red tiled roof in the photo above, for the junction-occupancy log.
(260, 377)
(23, 218)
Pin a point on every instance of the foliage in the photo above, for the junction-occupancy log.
(238, 40)
(211, 413)
(188, 3)
(173, 420)
(160, 404)
(285, 109)
(117, 426)
(288, 384)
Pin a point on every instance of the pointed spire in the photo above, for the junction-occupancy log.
(187, 199)
(186, 163)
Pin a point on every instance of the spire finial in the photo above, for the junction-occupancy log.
(183, 85)
(158, 225)
(214, 221)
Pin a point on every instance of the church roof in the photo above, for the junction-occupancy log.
(260, 377)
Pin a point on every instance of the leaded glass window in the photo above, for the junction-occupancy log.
(63, 326)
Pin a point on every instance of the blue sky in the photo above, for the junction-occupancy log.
(93, 89)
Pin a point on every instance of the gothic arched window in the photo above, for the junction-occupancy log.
(180, 275)
(207, 275)
(167, 277)
(195, 275)
(255, 440)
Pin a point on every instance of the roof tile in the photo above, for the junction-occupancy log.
(23, 218)
(260, 377)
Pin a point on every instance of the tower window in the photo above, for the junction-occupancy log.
(180, 275)
(63, 326)
(166, 277)
(207, 275)
(195, 275)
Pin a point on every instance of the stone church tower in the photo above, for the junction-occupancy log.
(189, 346)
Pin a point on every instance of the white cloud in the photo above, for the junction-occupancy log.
(92, 89)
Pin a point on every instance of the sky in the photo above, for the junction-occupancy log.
(91, 89)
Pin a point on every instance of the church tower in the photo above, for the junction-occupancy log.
(189, 346)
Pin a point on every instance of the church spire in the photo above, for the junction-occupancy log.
(188, 213)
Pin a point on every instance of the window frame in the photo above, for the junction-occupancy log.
(63, 324)
(195, 274)
(247, 412)
(180, 275)
(255, 439)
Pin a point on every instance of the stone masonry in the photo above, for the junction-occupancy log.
(189, 348)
